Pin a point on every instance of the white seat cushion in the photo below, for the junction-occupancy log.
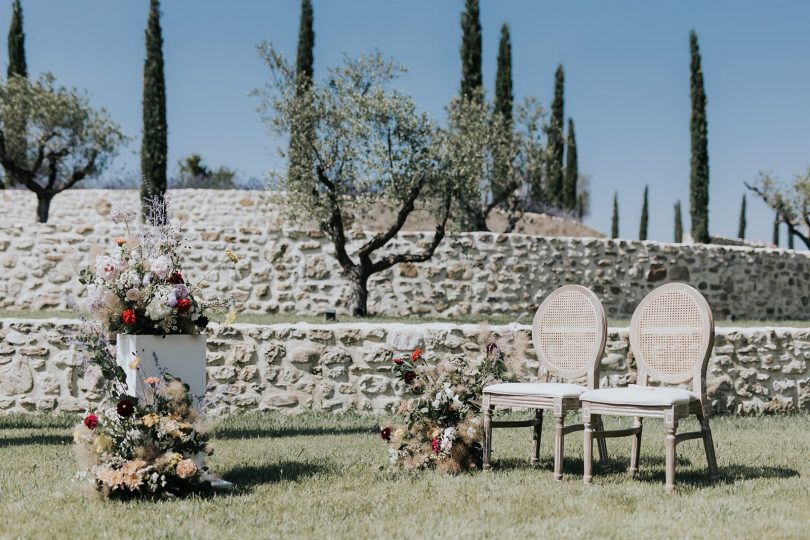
(640, 395)
(535, 389)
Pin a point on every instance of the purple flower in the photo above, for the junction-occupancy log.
(181, 291)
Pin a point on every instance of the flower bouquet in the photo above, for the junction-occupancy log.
(141, 287)
(153, 446)
(440, 426)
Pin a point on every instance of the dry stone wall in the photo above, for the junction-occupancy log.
(341, 367)
(479, 274)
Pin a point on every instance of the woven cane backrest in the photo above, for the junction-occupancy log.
(671, 334)
(569, 332)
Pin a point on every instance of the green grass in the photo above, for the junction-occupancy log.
(268, 318)
(327, 476)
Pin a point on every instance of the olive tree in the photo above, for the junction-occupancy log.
(66, 140)
(791, 202)
(360, 141)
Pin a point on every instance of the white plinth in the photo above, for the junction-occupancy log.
(181, 356)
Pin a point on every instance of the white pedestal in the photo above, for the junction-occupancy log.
(182, 356)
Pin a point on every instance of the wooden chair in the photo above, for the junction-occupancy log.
(671, 336)
(568, 333)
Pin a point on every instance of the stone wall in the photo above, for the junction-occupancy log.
(480, 274)
(347, 366)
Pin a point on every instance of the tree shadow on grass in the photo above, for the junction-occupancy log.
(286, 431)
(727, 475)
(574, 465)
(247, 478)
(27, 440)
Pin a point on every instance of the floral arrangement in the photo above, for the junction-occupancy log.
(141, 288)
(440, 426)
(155, 446)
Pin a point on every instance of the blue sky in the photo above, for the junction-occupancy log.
(627, 81)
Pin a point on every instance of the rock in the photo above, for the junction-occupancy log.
(282, 400)
(657, 272)
(16, 378)
(305, 354)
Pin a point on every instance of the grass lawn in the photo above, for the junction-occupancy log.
(286, 318)
(327, 476)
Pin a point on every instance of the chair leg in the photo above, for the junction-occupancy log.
(538, 429)
(487, 433)
(587, 456)
(670, 445)
(708, 445)
(601, 442)
(635, 448)
(559, 445)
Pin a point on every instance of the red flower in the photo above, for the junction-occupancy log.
(435, 445)
(91, 420)
(415, 355)
(128, 317)
(125, 408)
(176, 278)
(409, 377)
(183, 305)
(398, 361)
(385, 433)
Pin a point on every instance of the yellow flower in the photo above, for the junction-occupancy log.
(186, 469)
(103, 444)
(230, 317)
(231, 255)
(435, 432)
(150, 420)
(135, 363)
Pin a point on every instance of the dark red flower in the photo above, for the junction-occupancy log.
(385, 433)
(176, 278)
(435, 444)
(409, 377)
(415, 355)
(128, 317)
(91, 420)
(201, 322)
(125, 408)
(398, 361)
(183, 305)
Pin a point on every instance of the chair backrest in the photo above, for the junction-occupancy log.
(569, 333)
(671, 335)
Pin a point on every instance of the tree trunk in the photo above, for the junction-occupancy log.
(43, 207)
(359, 298)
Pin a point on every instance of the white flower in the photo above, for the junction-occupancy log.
(133, 295)
(100, 300)
(160, 305)
(107, 267)
(160, 266)
(128, 279)
(123, 214)
(448, 437)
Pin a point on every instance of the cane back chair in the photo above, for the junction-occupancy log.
(568, 334)
(671, 336)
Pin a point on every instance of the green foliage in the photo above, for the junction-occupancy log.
(571, 170)
(790, 202)
(367, 143)
(699, 167)
(503, 77)
(304, 60)
(556, 146)
(154, 146)
(66, 140)
(742, 225)
(17, 67)
(678, 223)
(645, 218)
(194, 173)
(614, 220)
(502, 108)
(472, 80)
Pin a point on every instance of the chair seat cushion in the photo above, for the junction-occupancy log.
(640, 395)
(535, 389)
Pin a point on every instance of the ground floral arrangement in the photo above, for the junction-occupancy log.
(440, 427)
(141, 288)
(153, 446)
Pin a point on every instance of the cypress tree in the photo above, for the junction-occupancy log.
(642, 230)
(503, 77)
(614, 222)
(472, 80)
(776, 230)
(17, 67)
(699, 170)
(678, 223)
(154, 147)
(741, 228)
(554, 164)
(571, 169)
(304, 60)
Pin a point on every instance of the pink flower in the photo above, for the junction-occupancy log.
(152, 381)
